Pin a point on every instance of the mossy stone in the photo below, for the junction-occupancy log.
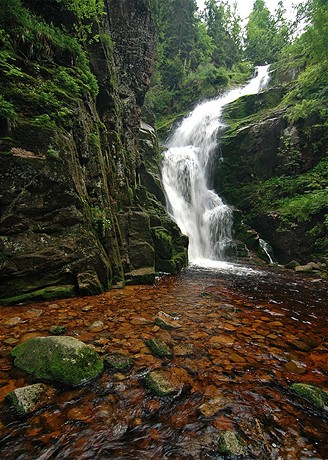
(49, 293)
(57, 330)
(314, 394)
(159, 348)
(118, 361)
(28, 399)
(158, 384)
(230, 444)
(61, 359)
(167, 382)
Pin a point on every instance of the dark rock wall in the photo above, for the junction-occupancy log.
(259, 145)
(72, 216)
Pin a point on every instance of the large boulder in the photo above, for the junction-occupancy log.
(61, 359)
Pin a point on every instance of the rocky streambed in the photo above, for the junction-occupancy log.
(204, 365)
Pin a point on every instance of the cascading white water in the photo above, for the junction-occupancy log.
(198, 211)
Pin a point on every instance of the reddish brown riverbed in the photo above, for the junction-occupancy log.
(246, 338)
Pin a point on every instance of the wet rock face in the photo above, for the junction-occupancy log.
(63, 183)
(259, 145)
(133, 32)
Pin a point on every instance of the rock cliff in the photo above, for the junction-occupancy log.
(75, 213)
(274, 170)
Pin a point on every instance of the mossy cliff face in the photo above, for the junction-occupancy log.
(73, 86)
(274, 170)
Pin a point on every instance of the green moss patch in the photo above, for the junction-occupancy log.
(48, 293)
(312, 393)
(118, 362)
(61, 359)
(159, 348)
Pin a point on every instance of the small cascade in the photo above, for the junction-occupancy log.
(199, 211)
(267, 249)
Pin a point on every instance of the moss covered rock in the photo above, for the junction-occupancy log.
(61, 359)
(313, 393)
(118, 361)
(48, 293)
(28, 399)
(159, 348)
(230, 444)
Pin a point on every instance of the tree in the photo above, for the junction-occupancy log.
(283, 30)
(260, 31)
(316, 36)
(223, 26)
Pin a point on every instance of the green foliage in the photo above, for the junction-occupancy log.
(87, 13)
(266, 35)
(309, 95)
(8, 67)
(172, 72)
(295, 198)
(41, 41)
(84, 9)
(94, 140)
(53, 153)
(34, 85)
(43, 121)
(301, 207)
(7, 109)
(101, 220)
(224, 27)
(67, 82)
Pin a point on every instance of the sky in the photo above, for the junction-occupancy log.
(245, 6)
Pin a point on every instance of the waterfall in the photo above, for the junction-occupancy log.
(199, 211)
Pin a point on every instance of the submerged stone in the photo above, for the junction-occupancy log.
(62, 359)
(28, 399)
(118, 361)
(159, 348)
(295, 367)
(312, 393)
(57, 330)
(167, 321)
(229, 443)
(97, 326)
(213, 406)
(167, 382)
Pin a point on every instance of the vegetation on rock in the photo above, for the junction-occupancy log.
(313, 393)
(70, 154)
(30, 398)
(60, 359)
(275, 149)
(159, 348)
(210, 52)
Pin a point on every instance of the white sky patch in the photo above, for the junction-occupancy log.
(246, 6)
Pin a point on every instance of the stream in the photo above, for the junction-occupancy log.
(245, 336)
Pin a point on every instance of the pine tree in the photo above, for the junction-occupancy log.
(223, 26)
(260, 32)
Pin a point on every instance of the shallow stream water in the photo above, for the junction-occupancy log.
(245, 335)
